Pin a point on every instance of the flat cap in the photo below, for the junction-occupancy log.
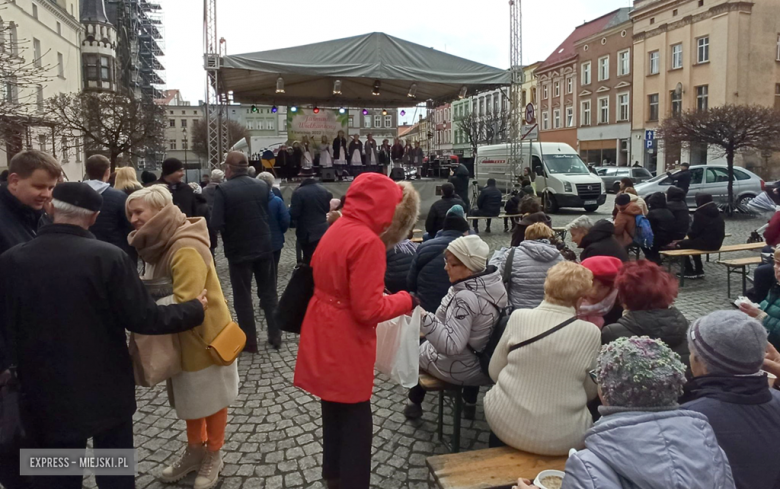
(79, 195)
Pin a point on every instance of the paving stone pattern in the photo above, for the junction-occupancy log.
(274, 432)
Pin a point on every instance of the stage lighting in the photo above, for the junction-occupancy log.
(463, 91)
(377, 86)
(316, 110)
(280, 85)
(365, 111)
(403, 113)
(337, 87)
(254, 109)
(274, 110)
(412, 91)
(384, 111)
(342, 110)
(293, 109)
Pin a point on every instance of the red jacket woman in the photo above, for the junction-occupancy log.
(337, 347)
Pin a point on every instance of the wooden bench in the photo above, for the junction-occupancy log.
(500, 216)
(454, 393)
(679, 255)
(416, 240)
(740, 266)
(492, 468)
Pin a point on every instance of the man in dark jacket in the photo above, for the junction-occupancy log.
(675, 202)
(512, 207)
(662, 223)
(217, 176)
(65, 303)
(488, 204)
(427, 276)
(727, 350)
(681, 179)
(435, 220)
(397, 151)
(707, 233)
(112, 225)
(173, 177)
(241, 214)
(308, 209)
(460, 179)
(32, 175)
(596, 239)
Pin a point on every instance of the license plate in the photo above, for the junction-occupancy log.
(591, 202)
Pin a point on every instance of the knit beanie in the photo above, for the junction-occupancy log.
(471, 251)
(148, 177)
(639, 372)
(604, 268)
(622, 199)
(217, 176)
(171, 165)
(455, 220)
(728, 342)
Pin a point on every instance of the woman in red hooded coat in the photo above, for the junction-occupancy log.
(337, 347)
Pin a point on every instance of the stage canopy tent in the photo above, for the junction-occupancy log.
(309, 73)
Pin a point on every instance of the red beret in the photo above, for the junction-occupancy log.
(604, 268)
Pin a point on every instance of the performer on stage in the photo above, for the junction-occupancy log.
(326, 158)
(283, 162)
(369, 149)
(397, 151)
(407, 160)
(384, 157)
(307, 162)
(340, 154)
(355, 155)
(417, 157)
(297, 159)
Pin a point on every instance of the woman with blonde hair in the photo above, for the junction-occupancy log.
(126, 180)
(176, 248)
(540, 367)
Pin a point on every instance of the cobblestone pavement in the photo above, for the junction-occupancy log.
(274, 436)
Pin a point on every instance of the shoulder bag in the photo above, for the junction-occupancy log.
(295, 300)
(542, 335)
(229, 343)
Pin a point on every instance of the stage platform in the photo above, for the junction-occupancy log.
(426, 187)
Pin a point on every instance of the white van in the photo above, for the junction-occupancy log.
(561, 176)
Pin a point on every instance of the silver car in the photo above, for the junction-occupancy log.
(712, 180)
(611, 176)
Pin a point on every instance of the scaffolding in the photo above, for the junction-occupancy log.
(216, 100)
(516, 90)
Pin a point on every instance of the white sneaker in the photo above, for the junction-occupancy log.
(208, 475)
(189, 462)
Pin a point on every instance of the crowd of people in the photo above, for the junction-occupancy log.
(586, 353)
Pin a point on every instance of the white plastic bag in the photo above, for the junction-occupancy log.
(397, 348)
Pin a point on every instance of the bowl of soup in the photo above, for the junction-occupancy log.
(549, 479)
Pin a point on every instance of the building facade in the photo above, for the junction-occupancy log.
(180, 118)
(461, 145)
(695, 54)
(98, 47)
(46, 34)
(604, 94)
(442, 130)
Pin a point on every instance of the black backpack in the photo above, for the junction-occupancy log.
(486, 354)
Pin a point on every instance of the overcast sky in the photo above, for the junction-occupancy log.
(474, 29)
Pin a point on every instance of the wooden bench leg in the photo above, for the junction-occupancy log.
(457, 413)
(440, 423)
(744, 280)
(681, 262)
(728, 282)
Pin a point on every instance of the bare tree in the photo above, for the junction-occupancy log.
(730, 129)
(496, 127)
(113, 123)
(473, 129)
(200, 135)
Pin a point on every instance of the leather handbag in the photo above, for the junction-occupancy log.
(295, 300)
(225, 348)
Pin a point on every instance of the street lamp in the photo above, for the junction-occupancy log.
(184, 142)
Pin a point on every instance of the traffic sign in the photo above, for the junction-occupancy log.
(530, 131)
(649, 135)
(530, 115)
(649, 144)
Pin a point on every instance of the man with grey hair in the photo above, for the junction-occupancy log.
(727, 351)
(208, 191)
(66, 300)
(596, 239)
(270, 179)
(240, 213)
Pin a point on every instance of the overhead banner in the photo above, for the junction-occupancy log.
(305, 122)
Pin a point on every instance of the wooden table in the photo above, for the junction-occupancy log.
(740, 266)
(492, 468)
(680, 254)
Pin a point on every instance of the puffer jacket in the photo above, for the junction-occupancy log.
(600, 241)
(625, 223)
(708, 229)
(427, 277)
(661, 220)
(530, 264)
(675, 202)
(460, 180)
(462, 323)
(668, 325)
(435, 220)
(660, 450)
(519, 233)
(399, 261)
(771, 306)
(278, 220)
(489, 201)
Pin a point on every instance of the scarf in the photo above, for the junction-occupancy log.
(595, 313)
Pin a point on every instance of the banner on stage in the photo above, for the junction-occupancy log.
(305, 122)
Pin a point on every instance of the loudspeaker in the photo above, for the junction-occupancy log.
(397, 174)
(328, 175)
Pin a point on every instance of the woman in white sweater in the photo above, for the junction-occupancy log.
(539, 402)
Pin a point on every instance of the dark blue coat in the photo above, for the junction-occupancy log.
(489, 201)
(399, 261)
(745, 415)
(112, 225)
(308, 209)
(427, 277)
(241, 214)
(278, 221)
(18, 222)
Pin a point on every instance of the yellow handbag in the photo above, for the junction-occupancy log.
(228, 344)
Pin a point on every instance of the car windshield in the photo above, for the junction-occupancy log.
(570, 164)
